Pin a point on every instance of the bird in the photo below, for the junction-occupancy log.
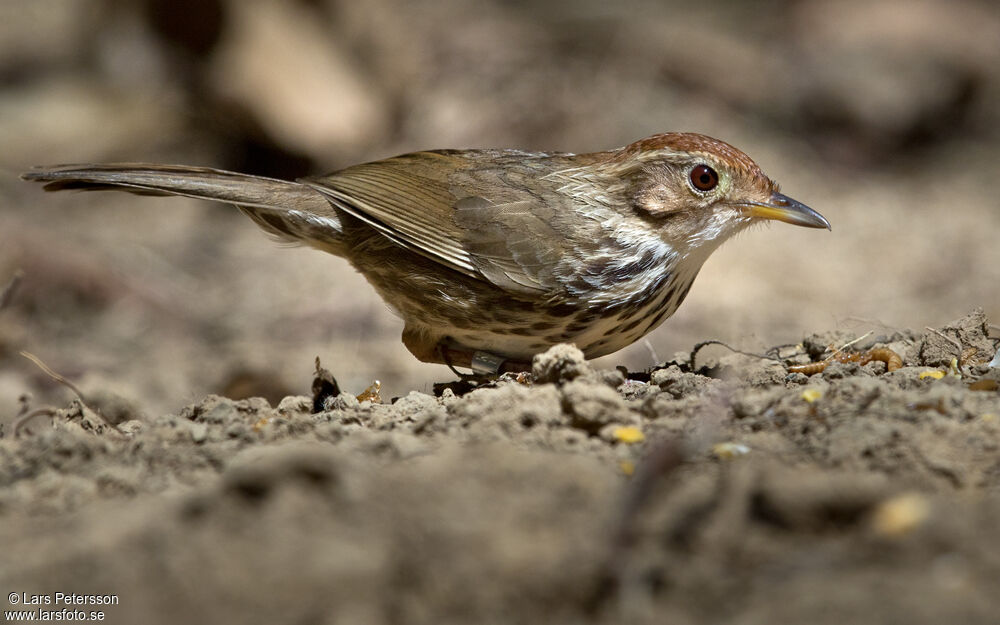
(491, 256)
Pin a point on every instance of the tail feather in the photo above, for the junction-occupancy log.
(289, 210)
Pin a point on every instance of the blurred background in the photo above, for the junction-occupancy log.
(882, 115)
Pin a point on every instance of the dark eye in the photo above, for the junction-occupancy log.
(704, 177)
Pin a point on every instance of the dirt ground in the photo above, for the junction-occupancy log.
(196, 482)
(748, 495)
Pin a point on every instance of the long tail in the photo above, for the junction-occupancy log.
(289, 210)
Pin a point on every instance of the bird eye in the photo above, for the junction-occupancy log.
(704, 177)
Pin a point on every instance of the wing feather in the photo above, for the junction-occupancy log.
(469, 212)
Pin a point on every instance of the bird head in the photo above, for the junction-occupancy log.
(700, 190)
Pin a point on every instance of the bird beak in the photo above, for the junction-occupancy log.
(783, 208)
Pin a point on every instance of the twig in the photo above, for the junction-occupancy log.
(652, 352)
(849, 343)
(698, 347)
(958, 345)
(55, 376)
(84, 408)
(776, 350)
(37, 412)
(7, 294)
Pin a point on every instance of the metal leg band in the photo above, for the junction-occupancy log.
(485, 362)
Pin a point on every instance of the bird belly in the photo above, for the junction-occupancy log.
(448, 308)
(596, 330)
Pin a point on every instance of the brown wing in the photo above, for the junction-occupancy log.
(472, 211)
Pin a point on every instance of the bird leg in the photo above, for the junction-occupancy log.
(483, 364)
